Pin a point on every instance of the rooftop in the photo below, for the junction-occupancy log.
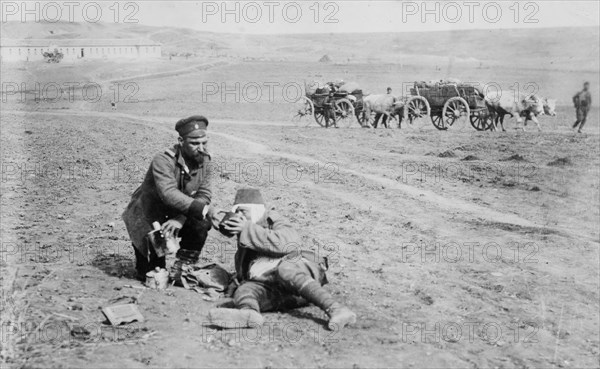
(68, 42)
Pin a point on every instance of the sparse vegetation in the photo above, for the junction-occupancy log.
(482, 261)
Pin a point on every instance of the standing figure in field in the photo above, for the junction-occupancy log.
(582, 101)
(329, 110)
(273, 271)
(176, 192)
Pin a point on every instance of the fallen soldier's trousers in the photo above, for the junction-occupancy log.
(277, 291)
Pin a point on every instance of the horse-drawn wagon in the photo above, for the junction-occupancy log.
(327, 104)
(449, 102)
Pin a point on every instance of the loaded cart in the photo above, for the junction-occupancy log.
(316, 101)
(450, 101)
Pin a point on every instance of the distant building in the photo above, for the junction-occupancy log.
(75, 49)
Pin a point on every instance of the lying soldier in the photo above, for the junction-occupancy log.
(271, 269)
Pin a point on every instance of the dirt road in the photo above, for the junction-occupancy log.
(456, 249)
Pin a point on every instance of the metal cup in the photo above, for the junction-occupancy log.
(224, 232)
(157, 280)
(151, 280)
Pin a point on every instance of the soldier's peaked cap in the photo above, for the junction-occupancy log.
(194, 126)
(248, 196)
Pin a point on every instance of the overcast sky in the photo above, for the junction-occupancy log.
(318, 16)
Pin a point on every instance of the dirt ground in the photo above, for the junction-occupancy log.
(455, 249)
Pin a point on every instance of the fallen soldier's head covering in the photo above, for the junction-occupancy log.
(251, 200)
(194, 126)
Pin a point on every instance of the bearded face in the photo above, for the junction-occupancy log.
(194, 147)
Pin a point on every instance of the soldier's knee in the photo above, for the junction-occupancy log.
(286, 270)
(246, 296)
(199, 226)
(293, 273)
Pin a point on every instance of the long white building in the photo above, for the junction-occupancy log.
(78, 49)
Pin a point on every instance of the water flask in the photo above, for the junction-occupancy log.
(172, 245)
(171, 242)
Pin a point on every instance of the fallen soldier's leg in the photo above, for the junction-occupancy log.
(250, 299)
(235, 318)
(297, 278)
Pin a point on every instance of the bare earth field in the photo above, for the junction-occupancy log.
(455, 249)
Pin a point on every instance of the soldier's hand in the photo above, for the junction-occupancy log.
(214, 217)
(233, 285)
(236, 224)
(171, 228)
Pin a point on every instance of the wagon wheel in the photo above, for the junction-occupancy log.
(437, 121)
(489, 121)
(416, 107)
(303, 111)
(481, 120)
(454, 108)
(362, 118)
(320, 117)
(344, 113)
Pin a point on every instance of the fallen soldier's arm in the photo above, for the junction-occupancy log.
(278, 240)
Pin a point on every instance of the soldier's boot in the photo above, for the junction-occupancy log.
(339, 315)
(141, 265)
(144, 264)
(235, 318)
(183, 259)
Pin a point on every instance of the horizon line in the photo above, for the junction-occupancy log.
(305, 33)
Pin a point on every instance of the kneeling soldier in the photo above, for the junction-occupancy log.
(176, 192)
(271, 269)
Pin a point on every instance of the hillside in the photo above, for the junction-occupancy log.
(556, 48)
